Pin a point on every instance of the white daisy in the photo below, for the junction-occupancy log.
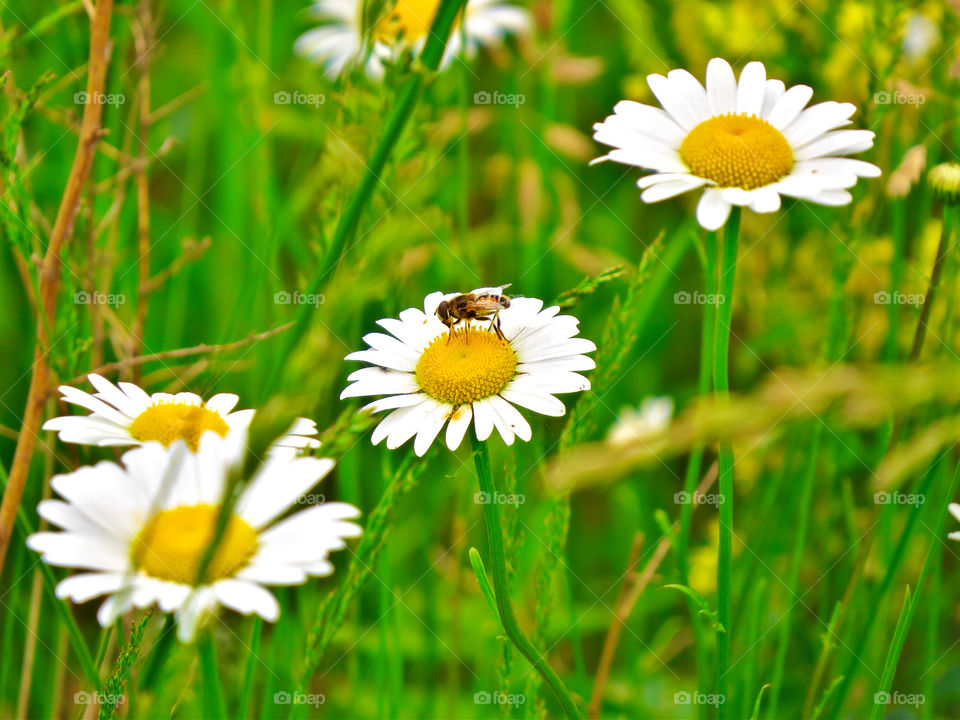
(142, 529)
(402, 28)
(639, 424)
(128, 415)
(747, 142)
(432, 376)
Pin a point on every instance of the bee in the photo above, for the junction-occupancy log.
(484, 305)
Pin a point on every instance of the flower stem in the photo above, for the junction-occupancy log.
(938, 264)
(491, 511)
(721, 387)
(212, 692)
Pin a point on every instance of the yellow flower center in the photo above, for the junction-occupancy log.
(172, 544)
(407, 20)
(740, 151)
(472, 365)
(166, 422)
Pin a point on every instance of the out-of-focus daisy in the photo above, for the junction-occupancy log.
(432, 376)
(401, 28)
(746, 143)
(128, 415)
(643, 423)
(920, 36)
(142, 530)
(955, 511)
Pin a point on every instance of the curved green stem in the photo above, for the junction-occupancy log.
(721, 387)
(491, 512)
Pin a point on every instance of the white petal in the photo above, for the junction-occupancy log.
(712, 210)
(721, 87)
(516, 422)
(379, 381)
(772, 92)
(788, 107)
(86, 586)
(110, 393)
(750, 89)
(247, 598)
(222, 403)
(458, 425)
(394, 401)
(539, 402)
(832, 198)
(277, 486)
(482, 420)
(665, 190)
(816, 120)
(674, 100)
(765, 200)
(430, 428)
(837, 142)
(415, 416)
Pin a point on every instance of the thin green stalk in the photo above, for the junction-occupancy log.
(721, 386)
(406, 101)
(214, 707)
(491, 511)
(942, 250)
(253, 654)
(695, 464)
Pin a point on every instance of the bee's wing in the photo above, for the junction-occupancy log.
(494, 290)
(484, 307)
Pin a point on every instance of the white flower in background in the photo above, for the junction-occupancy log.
(955, 511)
(143, 528)
(745, 143)
(920, 36)
(128, 415)
(640, 424)
(402, 28)
(432, 377)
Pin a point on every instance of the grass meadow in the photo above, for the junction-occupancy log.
(743, 513)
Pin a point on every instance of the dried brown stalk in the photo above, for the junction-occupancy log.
(627, 600)
(90, 134)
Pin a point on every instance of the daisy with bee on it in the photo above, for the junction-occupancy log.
(469, 358)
